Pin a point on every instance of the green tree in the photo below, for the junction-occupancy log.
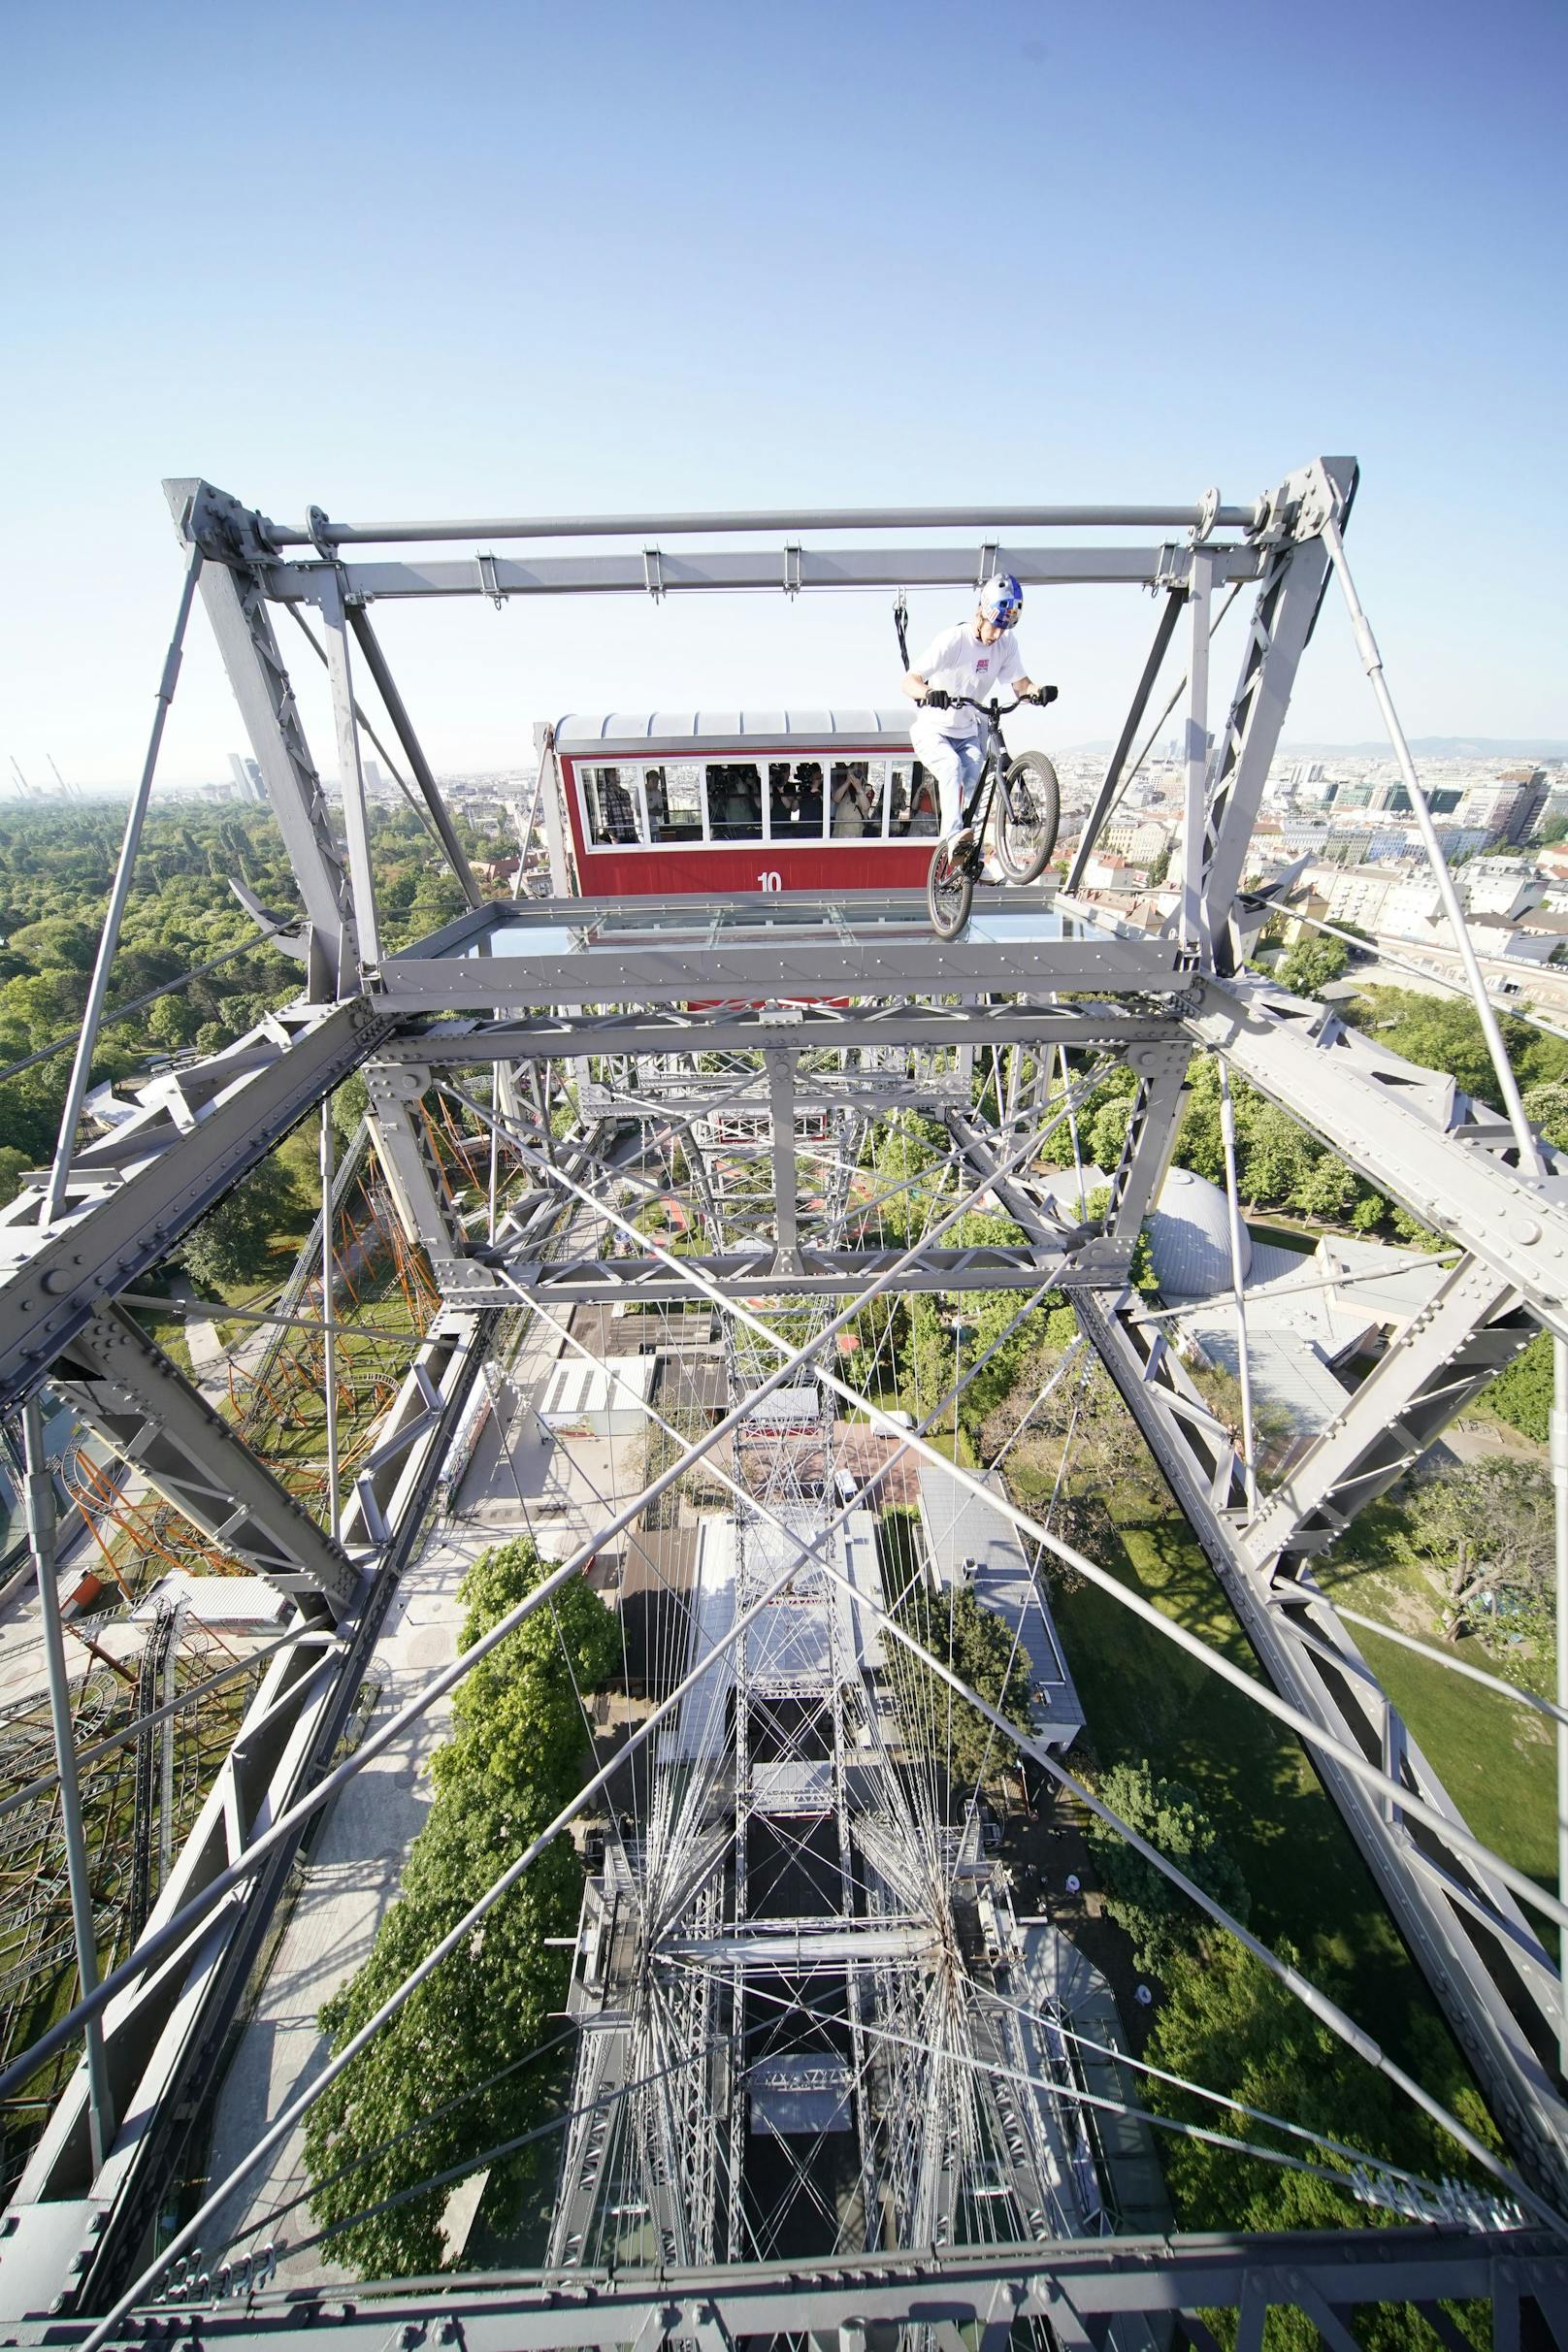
(1227, 2020)
(1487, 1527)
(1522, 1395)
(1159, 1918)
(1546, 1107)
(1309, 967)
(56, 939)
(234, 1240)
(174, 1020)
(454, 2072)
(14, 1165)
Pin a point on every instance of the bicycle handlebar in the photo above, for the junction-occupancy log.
(997, 708)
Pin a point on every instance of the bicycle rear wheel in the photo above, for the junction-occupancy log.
(1028, 810)
(949, 890)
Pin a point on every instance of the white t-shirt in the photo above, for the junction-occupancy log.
(958, 661)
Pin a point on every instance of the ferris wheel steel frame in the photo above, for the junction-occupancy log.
(640, 1003)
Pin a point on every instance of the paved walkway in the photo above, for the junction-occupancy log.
(353, 1875)
(351, 1879)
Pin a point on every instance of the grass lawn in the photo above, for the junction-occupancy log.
(1496, 1761)
(1144, 1699)
(1303, 1238)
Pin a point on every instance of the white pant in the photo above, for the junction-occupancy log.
(955, 761)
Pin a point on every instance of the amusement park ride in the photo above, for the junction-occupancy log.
(736, 943)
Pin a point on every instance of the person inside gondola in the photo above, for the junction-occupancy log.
(783, 805)
(852, 801)
(810, 777)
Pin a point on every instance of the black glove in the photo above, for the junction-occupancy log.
(937, 697)
(1044, 695)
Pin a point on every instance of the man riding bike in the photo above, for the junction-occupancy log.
(978, 658)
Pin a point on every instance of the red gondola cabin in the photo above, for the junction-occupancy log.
(722, 804)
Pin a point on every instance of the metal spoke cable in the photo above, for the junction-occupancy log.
(1371, 2169)
(1355, 2038)
(1417, 971)
(319, 651)
(457, 1935)
(158, 1714)
(1034, 1589)
(1291, 1717)
(1197, 2090)
(1152, 737)
(1320, 2004)
(469, 2164)
(396, 2139)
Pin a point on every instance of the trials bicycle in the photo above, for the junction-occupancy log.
(1027, 804)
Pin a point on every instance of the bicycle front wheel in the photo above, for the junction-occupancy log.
(1028, 810)
(949, 891)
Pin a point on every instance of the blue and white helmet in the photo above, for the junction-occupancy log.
(1001, 600)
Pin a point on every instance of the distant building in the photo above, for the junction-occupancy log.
(1509, 810)
(1104, 871)
(1138, 840)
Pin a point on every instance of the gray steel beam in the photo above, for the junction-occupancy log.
(236, 608)
(414, 1177)
(386, 686)
(781, 1072)
(1447, 1159)
(127, 1214)
(988, 519)
(857, 2300)
(1277, 633)
(1105, 798)
(1433, 1367)
(350, 774)
(144, 1407)
(164, 2034)
(821, 1274)
(1151, 1139)
(1478, 1954)
(619, 953)
(456, 1041)
(673, 573)
(1013, 1192)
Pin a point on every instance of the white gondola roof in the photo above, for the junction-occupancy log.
(635, 734)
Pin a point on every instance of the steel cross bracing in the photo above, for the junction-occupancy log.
(614, 1003)
(143, 1406)
(1078, 2289)
(1497, 1985)
(165, 2029)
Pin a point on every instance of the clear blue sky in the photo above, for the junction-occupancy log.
(466, 259)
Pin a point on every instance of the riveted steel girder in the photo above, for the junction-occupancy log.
(124, 1218)
(1434, 1365)
(1451, 1162)
(1078, 2286)
(143, 1406)
(458, 1041)
(1497, 1987)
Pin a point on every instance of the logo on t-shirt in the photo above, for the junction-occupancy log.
(982, 665)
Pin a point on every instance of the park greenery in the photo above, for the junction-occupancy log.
(1156, 1915)
(459, 2069)
(56, 866)
(962, 1634)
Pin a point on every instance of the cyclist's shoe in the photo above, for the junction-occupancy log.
(960, 843)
